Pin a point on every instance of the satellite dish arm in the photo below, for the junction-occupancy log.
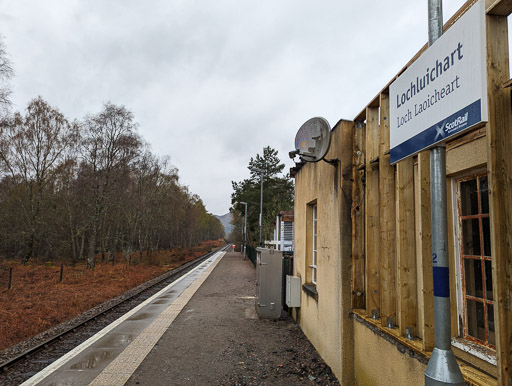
(333, 162)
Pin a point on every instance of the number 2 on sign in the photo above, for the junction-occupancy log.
(434, 258)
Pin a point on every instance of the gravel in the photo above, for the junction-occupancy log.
(289, 359)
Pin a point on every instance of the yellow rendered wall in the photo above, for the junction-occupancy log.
(378, 362)
(321, 319)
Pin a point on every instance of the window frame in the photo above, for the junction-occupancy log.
(314, 244)
(461, 295)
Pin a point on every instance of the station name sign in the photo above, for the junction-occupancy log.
(442, 93)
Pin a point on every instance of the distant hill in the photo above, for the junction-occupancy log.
(226, 222)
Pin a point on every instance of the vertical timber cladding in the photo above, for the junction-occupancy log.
(424, 239)
(372, 223)
(499, 146)
(387, 218)
(443, 92)
(406, 249)
(358, 215)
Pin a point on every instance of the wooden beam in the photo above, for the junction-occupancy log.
(453, 256)
(345, 156)
(498, 7)
(387, 219)
(358, 173)
(499, 148)
(372, 212)
(507, 84)
(424, 248)
(406, 268)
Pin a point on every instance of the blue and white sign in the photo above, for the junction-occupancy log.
(442, 93)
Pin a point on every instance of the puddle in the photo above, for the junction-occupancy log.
(93, 360)
(161, 301)
(117, 340)
(142, 316)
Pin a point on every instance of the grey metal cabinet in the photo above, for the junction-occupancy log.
(269, 283)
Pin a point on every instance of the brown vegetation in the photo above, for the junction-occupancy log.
(37, 301)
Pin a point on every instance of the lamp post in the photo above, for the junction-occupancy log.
(245, 226)
(261, 172)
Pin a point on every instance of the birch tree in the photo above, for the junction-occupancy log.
(31, 149)
(110, 144)
(6, 73)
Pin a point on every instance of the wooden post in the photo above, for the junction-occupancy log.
(499, 147)
(345, 217)
(406, 269)
(424, 239)
(358, 215)
(9, 285)
(387, 218)
(372, 211)
(61, 272)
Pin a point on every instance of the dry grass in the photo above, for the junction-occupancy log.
(37, 301)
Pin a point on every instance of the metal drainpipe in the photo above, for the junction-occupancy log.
(442, 367)
(245, 226)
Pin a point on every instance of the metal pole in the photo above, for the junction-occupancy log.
(261, 204)
(442, 367)
(245, 226)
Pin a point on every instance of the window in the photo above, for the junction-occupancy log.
(287, 235)
(287, 230)
(476, 260)
(314, 245)
(311, 247)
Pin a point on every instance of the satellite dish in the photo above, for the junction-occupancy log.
(313, 139)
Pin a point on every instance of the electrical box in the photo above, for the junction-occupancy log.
(293, 291)
(269, 283)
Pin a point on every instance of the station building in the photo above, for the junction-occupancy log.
(283, 232)
(363, 240)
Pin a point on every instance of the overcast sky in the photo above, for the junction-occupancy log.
(212, 82)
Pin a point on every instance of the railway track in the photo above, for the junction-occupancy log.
(39, 354)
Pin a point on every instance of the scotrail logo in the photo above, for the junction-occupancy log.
(446, 128)
(458, 123)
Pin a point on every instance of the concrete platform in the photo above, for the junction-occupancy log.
(112, 355)
(195, 349)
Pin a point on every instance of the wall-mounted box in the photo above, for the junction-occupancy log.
(293, 291)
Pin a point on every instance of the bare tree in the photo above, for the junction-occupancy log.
(31, 149)
(110, 144)
(6, 73)
(116, 196)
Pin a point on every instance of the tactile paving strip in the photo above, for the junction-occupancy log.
(120, 369)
